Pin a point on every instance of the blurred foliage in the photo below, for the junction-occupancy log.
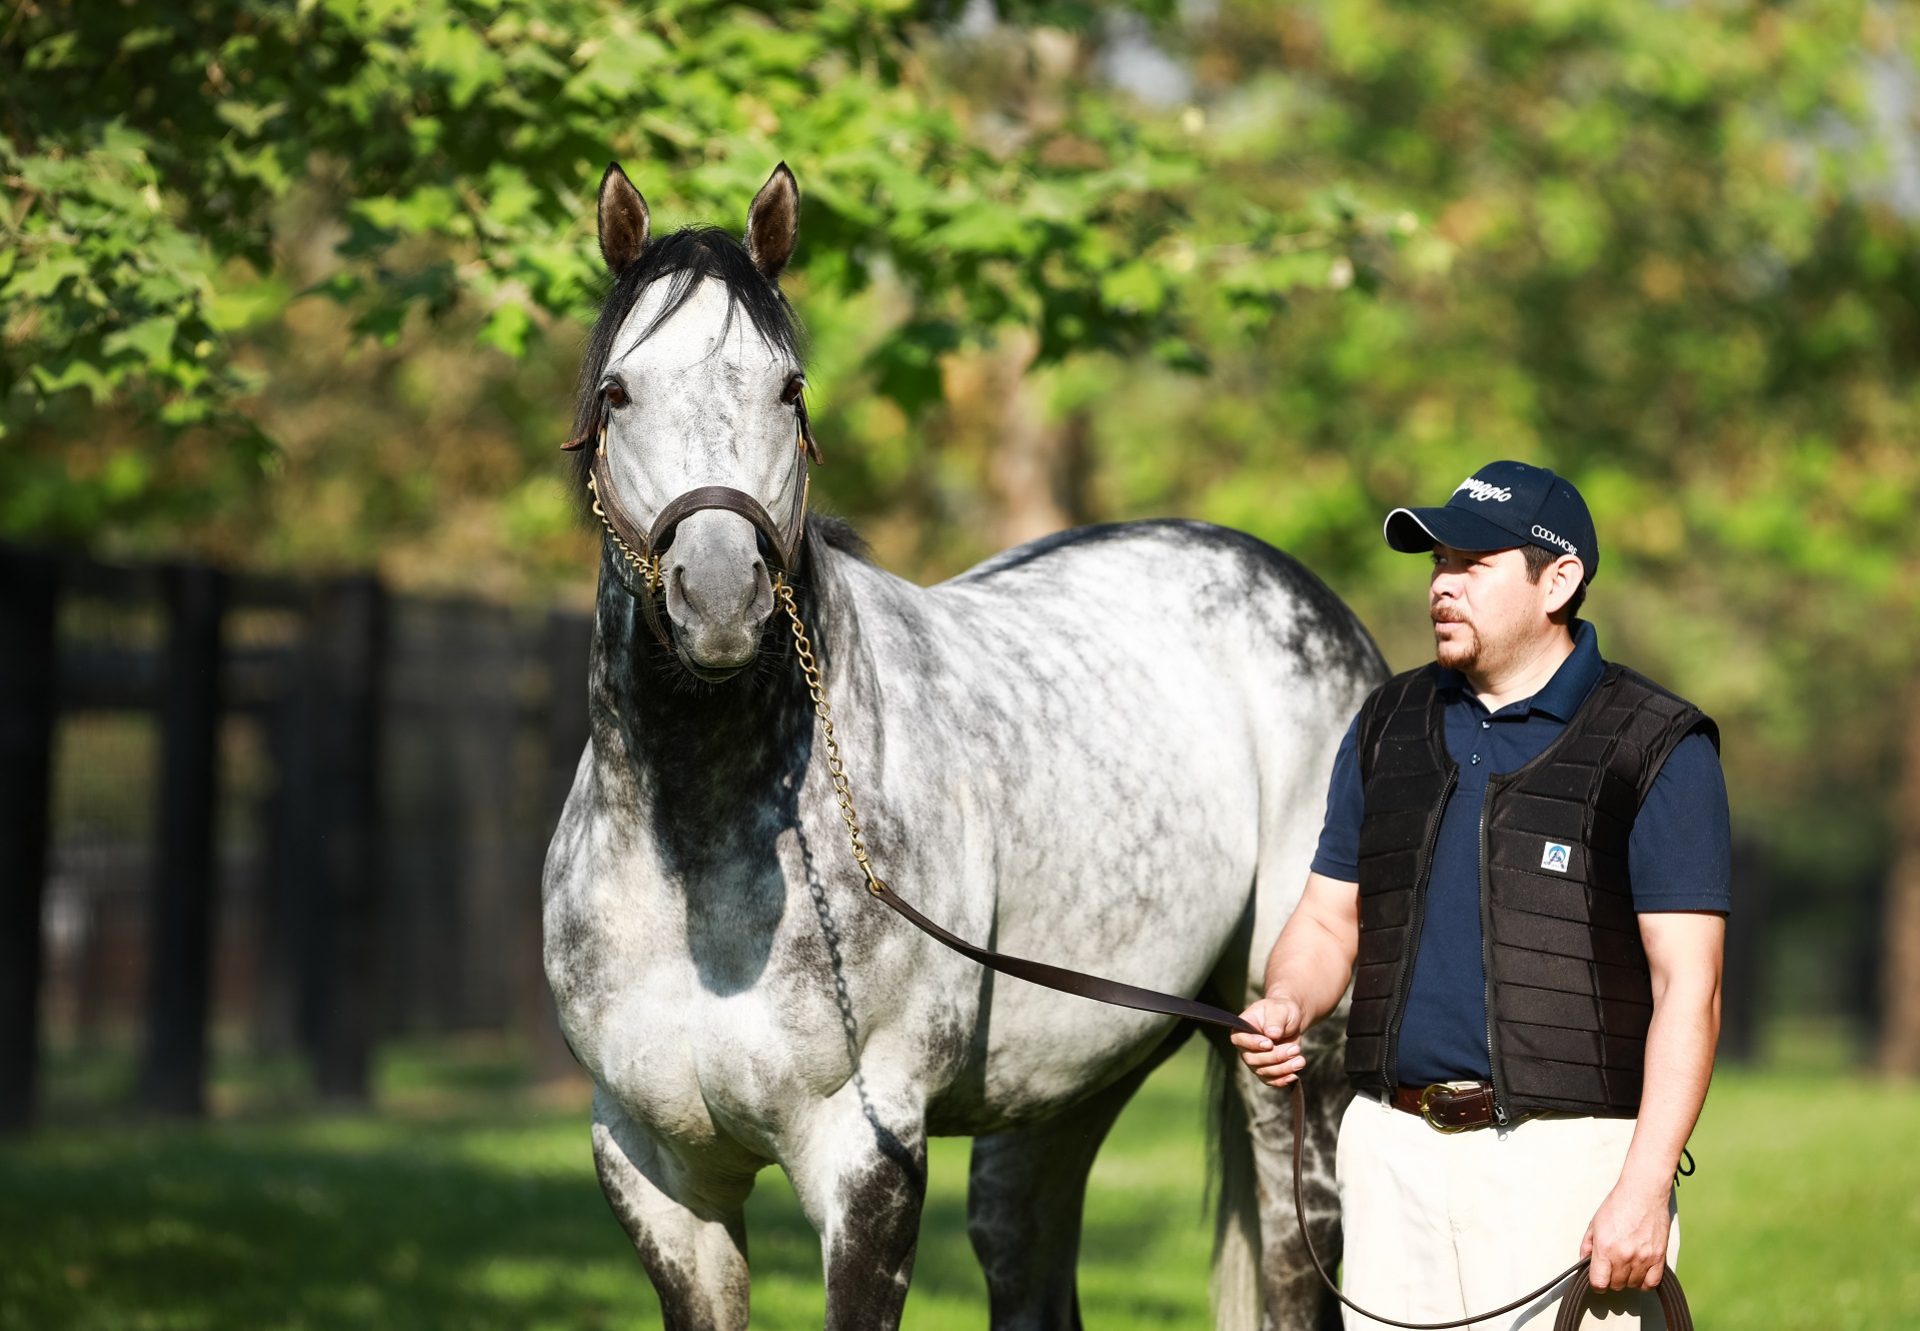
(452, 149)
(1667, 261)
(302, 283)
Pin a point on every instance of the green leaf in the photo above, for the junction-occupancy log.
(247, 118)
(906, 365)
(1138, 287)
(43, 275)
(985, 228)
(1179, 353)
(76, 372)
(463, 56)
(150, 339)
(55, 52)
(507, 328)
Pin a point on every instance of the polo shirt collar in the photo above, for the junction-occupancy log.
(1562, 695)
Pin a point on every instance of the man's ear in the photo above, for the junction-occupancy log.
(773, 222)
(624, 223)
(1563, 577)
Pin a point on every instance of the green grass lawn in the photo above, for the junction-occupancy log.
(467, 1205)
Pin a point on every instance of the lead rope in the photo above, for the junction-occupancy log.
(1091, 986)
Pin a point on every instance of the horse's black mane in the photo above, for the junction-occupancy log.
(687, 257)
(838, 533)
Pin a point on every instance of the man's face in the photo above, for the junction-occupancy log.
(1484, 610)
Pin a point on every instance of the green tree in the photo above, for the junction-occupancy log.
(453, 146)
(1370, 246)
(1664, 256)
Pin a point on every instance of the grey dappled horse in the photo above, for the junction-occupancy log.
(1107, 749)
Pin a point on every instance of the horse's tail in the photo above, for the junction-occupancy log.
(1236, 1225)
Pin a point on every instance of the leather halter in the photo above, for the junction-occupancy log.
(642, 545)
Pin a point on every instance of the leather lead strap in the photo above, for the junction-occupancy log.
(1069, 981)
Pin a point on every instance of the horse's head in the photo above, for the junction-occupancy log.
(693, 394)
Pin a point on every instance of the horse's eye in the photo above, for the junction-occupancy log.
(616, 395)
(791, 393)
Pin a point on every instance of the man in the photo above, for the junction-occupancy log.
(1526, 852)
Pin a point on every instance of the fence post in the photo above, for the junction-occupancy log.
(173, 1070)
(340, 1010)
(569, 658)
(29, 597)
(291, 853)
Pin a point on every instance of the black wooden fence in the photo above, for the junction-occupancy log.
(306, 811)
(310, 812)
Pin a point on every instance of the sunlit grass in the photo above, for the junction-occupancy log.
(470, 1204)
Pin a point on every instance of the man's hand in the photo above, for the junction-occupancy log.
(1275, 1055)
(1308, 970)
(1627, 1239)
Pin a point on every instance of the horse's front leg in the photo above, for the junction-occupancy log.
(859, 1166)
(687, 1225)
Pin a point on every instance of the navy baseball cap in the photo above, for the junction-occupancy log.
(1503, 505)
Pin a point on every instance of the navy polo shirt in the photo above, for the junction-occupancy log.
(1679, 853)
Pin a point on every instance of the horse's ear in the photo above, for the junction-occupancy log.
(624, 224)
(773, 222)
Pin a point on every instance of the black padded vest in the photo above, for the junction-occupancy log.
(1568, 990)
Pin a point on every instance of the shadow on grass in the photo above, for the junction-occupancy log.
(355, 1222)
(318, 1223)
(474, 1210)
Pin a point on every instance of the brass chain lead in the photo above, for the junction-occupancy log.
(648, 568)
(822, 709)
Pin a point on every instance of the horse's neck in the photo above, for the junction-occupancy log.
(706, 763)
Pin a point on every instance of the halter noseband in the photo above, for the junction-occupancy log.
(641, 546)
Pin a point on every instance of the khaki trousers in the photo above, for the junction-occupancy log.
(1439, 1225)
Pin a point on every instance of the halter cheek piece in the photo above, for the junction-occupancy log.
(641, 546)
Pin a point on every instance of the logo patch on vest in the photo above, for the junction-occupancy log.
(1555, 857)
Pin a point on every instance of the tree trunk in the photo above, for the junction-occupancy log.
(1900, 1040)
(1030, 468)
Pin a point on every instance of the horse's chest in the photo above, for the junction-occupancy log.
(695, 1044)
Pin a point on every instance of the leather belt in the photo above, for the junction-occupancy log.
(1447, 1106)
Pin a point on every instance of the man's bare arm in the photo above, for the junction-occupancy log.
(1307, 973)
(1628, 1236)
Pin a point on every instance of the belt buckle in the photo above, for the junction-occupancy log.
(1426, 1110)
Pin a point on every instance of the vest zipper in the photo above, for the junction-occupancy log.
(1389, 1048)
(1486, 958)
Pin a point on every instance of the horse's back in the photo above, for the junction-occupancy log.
(1174, 575)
